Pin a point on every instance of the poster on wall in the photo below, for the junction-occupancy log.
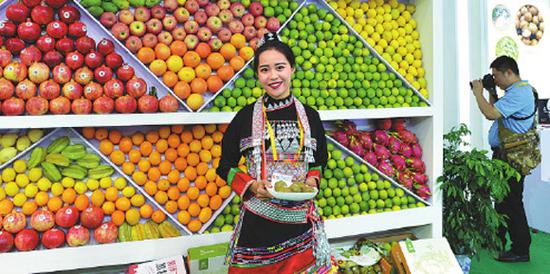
(517, 29)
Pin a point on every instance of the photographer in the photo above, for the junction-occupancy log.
(515, 110)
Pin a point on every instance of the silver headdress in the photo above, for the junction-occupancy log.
(270, 36)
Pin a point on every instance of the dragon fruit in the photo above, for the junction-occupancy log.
(370, 157)
(356, 147)
(341, 137)
(380, 137)
(416, 164)
(347, 126)
(405, 180)
(394, 144)
(399, 162)
(420, 178)
(382, 153)
(416, 151)
(406, 150)
(406, 136)
(384, 124)
(398, 124)
(386, 168)
(423, 191)
(366, 140)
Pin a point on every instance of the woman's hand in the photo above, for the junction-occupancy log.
(259, 189)
(311, 181)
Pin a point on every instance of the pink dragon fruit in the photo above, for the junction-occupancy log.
(423, 191)
(356, 147)
(405, 180)
(416, 164)
(399, 162)
(407, 136)
(420, 178)
(382, 153)
(366, 140)
(386, 168)
(398, 124)
(384, 124)
(416, 150)
(347, 126)
(406, 150)
(394, 144)
(341, 137)
(380, 137)
(370, 157)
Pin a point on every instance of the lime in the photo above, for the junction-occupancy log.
(345, 191)
(337, 192)
(227, 228)
(327, 192)
(219, 222)
(374, 194)
(228, 219)
(227, 210)
(327, 211)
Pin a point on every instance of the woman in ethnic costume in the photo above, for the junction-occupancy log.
(276, 135)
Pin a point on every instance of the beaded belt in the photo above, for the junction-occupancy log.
(278, 210)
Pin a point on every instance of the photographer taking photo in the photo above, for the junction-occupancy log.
(515, 113)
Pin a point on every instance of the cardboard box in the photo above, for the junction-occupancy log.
(208, 259)
(171, 265)
(425, 257)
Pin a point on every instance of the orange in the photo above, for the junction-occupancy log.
(195, 146)
(118, 217)
(170, 78)
(193, 193)
(194, 209)
(173, 176)
(200, 182)
(205, 215)
(152, 136)
(134, 156)
(163, 184)
(174, 140)
(210, 128)
(183, 150)
(238, 40)
(178, 48)
(202, 168)
(88, 132)
(6, 207)
(165, 167)
(214, 83)
(203, 49)
(216, 162)
(128, 168)
(158, 67)
(225, 72)
(138, 138)
(151, 188)
(154, 158)
(81, 202)
(203, 200)
(162, 51)
(184, 217)
(161, 145)
(216, 151)
(191, 59)
(29, 207)
(117, 157)
(158, 216)
(164, 132)
(246, 53)
(146, 55)
(194, 226)
(215, 202)
(115, 136)
(222, 127)
(125, 144)
(123, 203)
(198, 131)
(215, 60)
(211, 189)
(205, 156)
(54, 204)
(101, 134)
(171, 154)
(224, 191)
(183, 202)
(193, 159)
(228, 51)
(183, 184)
(161, 197)
(108, 207)
(199, 85)
(237, 63)
(145, 148)
(182, 89)
(194, 101)
(171, 207)
(211, 175)
(139, 177)
(180, 164)
(186, 136)
(146, 211)
(173, 193)
(190, 173)
(203, 71)
(98, 197)
(177, 129)
(217, 137)
(69, 196)
(144, 165)
(111, 194)
(153, 174)
(106, 147)
(41, 198)
(132, 216)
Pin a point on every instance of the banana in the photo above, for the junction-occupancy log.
(58, 159)
(58, 144)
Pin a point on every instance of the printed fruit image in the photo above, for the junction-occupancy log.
(195, 46)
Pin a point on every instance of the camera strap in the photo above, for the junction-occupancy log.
(536, 95)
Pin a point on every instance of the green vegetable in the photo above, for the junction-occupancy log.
(96, 11)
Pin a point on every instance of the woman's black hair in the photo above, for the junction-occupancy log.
(271, 41)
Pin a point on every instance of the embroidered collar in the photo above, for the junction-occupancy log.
(274, 104)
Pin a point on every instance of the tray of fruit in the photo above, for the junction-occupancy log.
(296, 191)
(17, 142)
(58, 60)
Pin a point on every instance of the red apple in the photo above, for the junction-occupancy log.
(62, 74)
(154, 26)
(191, 41)
(93, 91)
(11, 107)
(31, 3)
(15, 45)
(104, 105)
(179, 33)
(170, 5)
(17, 12)
(273, 24)
(64, 45)
(93, 59)
(29, 55)
(248, 20)
(6, 241)
(192, 6)
(45, 43)
(256, 9)
(25, 89)
(52, 58)
(56, 3)
(37, 106)
(136, 87)
(212, 9)
(124, 73)
(201, 17)
(85, 44)
(78, 236)
(165, 38)
(181, 14)
(105, 46)
(5, 57)
(6, 89)
(49, 89)
(149, 40)
(126, 17)
(158, 12)
(224, 4)
(120, 31)
(108, 19)
(214, 23)
(168, 104)
(260, 22)
(60, 105)
(142, 14)
(42, 220)
(169, 22)
(236, 26)
(77, 29)
(224, 35)
(204, 34)
(237, 9)
(103, 74)
(74, 60)
(250, 32)
(133, 43)
(203, 3)
(14, 221)
(28, 31)
(57, 29)
(191, 27)
(126, 104)
(68, 14)
(226, 16)
(81, 106)
(15, 71)
(7, 29)
(26, 239)
(72, 90)
(91, 217)
(106, 233)
(53, 238)
(148, 104)
(137, 28)
(215, 44)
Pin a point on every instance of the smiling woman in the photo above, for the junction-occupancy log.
(281, 139)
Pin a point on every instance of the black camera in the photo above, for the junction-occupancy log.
(488, 82)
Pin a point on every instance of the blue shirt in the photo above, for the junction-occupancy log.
(517, 101)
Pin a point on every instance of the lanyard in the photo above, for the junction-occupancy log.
(272, 138)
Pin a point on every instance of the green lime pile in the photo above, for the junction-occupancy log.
(276, 8)
(246, 90)
(348, 189)
(227, 220)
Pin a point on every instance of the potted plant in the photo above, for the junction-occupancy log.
(471, 182)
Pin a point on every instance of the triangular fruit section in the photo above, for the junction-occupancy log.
(350, 187)
(389, 27)
(14, 142)
(61, 194)
(196, 46)
(390, 147)
(54, 61)
(174, 165)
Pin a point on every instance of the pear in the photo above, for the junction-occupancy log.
(23, 143)
(8, 140)
(7, 153)
(35, 134)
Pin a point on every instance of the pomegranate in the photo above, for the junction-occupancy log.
(93, 91)
(126, 104)
(81, 106)
(26, 239)
(106, 233)
(60, 105)
(53, 238)
(125, 72)
(6, 89)
(49, 89)
(28, 31)
(114, 88)
(168, 104)
(72, 90)
(39, 72)
(62, 74)
(30, 55)
(148, 104)
(15, 71)
(136, 87)
(25, 89)
(42, 220)
(6, 241)
(67, 216)
(77, 236)
(91, 217)
(5, 57)
(104, 105)
(37, 106)
(13, 106)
